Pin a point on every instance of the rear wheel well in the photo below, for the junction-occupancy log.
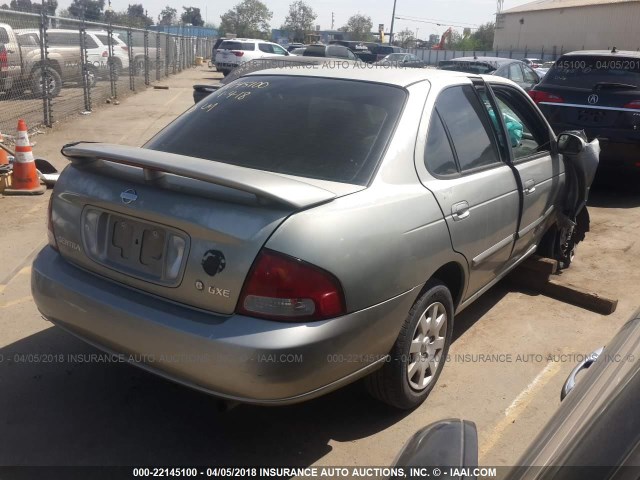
(452, 275)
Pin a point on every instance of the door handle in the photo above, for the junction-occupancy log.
(529, 187)
(11, 51)
(460, 211)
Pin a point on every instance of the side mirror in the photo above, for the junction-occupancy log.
(570, 143)
(444, 444)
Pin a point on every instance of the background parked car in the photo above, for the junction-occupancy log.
(97, 52)
(331, 51)
(232, 53)
(293, 46)
(532, 62)
(202, 91)
(406, 60)
(514, 70)
(20, 64)
(598, 92)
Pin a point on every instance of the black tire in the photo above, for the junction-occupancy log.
(37, 86)
(225, 72)
(391, 383)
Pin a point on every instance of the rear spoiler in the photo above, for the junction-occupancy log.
(264, 185)
(207, 88)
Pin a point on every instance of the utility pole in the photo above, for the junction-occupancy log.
(393, 16)
(332, 20)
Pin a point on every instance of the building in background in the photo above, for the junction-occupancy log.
(566, 25)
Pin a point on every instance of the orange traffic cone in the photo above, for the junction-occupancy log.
(24, 179)
(4, 159)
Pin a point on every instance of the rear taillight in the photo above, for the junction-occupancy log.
(633, 104)
(4, 60)
(50, 233)
(238, 53)
(539, 96)
(280, 287)
(105, 53)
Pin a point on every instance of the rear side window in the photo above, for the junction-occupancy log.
(105, 39)
(4, 36)
(265, 47)
(466, 121)
(515, 72)
(305, 126)
(247, 46)
(28, 39)
(587, 71)
(438, 156)
(335, 51)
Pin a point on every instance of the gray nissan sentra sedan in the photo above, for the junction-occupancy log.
(300, 229)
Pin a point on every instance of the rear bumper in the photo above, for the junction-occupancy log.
(234, 357)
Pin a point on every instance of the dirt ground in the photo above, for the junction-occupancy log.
(70, 412)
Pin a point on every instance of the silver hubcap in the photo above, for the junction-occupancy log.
(427, 346)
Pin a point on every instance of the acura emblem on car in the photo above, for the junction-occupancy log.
(593, 99)
(128, 196)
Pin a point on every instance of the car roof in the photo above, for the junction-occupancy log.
(246, 40)
(495, 60)
(604, 53)
(347, 70)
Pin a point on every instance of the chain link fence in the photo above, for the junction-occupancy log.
(52, 67)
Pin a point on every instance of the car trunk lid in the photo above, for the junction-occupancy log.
(182, 228)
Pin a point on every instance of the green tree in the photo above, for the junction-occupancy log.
(168, 16)
(92, 9)
(359, 27)
(483, 36)
(192, 15)
(299, 20)
(33, 7)
(404, 38)
(249, 18)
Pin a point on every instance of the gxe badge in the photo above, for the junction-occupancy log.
(128, 196)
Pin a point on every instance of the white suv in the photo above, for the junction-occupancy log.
(232, 53)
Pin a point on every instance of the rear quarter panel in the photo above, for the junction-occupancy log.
(384, 240)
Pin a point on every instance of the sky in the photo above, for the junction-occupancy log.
(459, 13)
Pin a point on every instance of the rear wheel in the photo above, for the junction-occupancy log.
(51, 76)
(419, 353)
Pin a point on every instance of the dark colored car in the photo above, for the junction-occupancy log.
(598, 92)
(215, 48)
(595, 434)
(202, 91)
(293, 46)
(514, 70)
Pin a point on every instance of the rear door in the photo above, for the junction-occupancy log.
(541, 173)
(475, 188)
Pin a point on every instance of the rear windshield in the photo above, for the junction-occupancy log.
(466, 67)
(587, 71)
(311, 127)
(237, 46)
(385, 50)
(104, 39)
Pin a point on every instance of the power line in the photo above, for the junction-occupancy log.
(441, 23)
